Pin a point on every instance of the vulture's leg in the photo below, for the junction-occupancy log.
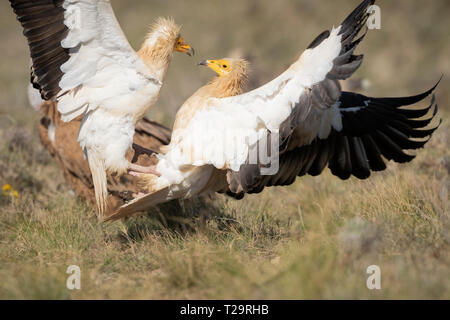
(136, 170)
(138, 151)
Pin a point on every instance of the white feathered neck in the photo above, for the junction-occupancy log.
(157, 49)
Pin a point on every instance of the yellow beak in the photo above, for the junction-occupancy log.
(184, 47)
(215, 65)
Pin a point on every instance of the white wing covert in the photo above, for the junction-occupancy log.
(103, 69)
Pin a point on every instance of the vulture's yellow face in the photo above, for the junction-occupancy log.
(183, 46)
(221, 67)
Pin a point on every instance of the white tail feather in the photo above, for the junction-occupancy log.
(142, 203)
(98, 171)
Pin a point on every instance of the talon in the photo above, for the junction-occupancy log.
(134, 173)
(151, 170)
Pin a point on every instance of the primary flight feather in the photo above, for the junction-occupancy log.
(81, 58)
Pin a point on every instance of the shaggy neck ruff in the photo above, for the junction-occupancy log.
(158, 47)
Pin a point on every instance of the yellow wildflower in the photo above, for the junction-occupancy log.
(8, 191)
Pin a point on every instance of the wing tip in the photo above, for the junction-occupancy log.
(358, 11)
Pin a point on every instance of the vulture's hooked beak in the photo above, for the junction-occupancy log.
(203, 63)
(184, 47)
(190, 52)
(221, 67)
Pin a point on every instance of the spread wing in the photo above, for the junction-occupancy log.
(373, 130)
(308, 89)
(79, 53)
(317, 124)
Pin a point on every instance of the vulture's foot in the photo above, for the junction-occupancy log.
(136, 170)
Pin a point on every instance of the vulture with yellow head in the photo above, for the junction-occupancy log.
(82, 60)
(298, 124)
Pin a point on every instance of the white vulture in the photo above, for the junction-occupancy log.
(59, 138)
(303, 118)
(219, 132)
(82, 59)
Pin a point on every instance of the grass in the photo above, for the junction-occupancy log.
(312, 240)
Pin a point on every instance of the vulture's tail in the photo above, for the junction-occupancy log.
(98, 171)
(142, 204)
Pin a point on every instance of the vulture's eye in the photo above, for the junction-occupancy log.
(225, 66)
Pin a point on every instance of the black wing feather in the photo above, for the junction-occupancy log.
(373, 129)
(43, 24)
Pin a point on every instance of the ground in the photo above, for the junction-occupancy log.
(313, 240)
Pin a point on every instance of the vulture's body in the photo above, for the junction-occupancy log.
(302, 121)
(60, 139)
(82, 59)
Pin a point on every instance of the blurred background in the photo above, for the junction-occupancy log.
(314, 239)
